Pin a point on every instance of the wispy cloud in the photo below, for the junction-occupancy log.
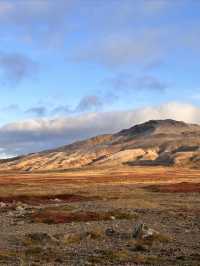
(150, 82)
(60, 109)
(88, 103)
(38, 111)
(15, 67)
(42, 22)
(10, 108)
(127, 82)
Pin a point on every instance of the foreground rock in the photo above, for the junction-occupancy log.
(146, 236)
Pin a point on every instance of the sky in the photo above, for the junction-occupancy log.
(72, 69)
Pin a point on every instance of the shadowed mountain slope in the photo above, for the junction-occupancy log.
(156, 142)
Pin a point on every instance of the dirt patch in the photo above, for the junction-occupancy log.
(184, 187)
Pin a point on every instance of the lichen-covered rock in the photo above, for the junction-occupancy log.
(142, 231)
(145, 237)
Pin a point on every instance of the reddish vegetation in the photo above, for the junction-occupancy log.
(68, 217)
(184, 187)
(46, 198)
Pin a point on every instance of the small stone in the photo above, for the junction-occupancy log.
(110, 232)
(10, 213)
(57, 200)
(20, 208)
(3, 204)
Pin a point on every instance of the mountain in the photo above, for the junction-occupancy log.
(156, 142)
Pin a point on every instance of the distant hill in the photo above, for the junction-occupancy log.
(156, 142)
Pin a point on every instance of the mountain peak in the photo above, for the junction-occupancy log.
(152, 125)
(172, 121)
(165, 122)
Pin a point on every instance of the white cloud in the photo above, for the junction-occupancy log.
(38, 134)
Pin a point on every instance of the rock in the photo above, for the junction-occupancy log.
(22, 205)
(145, 237)
(142, 231)
(20, 208)
(57, 200)
(110, 232)
(3, 204)
(137, 231)
(10, 214)
(20, 212)
(39, 237)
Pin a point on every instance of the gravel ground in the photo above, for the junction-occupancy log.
(176, 218)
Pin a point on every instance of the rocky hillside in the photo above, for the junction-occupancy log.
(156, 142)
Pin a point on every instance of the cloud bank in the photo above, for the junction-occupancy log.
(38, 134)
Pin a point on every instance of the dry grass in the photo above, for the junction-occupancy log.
(14, 184)
(104, 257)
(75, 238)
(8, 257)
(183, 187)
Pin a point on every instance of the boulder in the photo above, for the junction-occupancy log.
(142, 231)
(145, 237)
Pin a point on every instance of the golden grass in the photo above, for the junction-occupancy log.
(75, 238)
(16, 183)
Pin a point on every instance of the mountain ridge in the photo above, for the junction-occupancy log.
(155, 142)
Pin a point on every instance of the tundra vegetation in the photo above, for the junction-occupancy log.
(118, 216)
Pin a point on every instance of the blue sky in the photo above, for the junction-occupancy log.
(71, 60)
